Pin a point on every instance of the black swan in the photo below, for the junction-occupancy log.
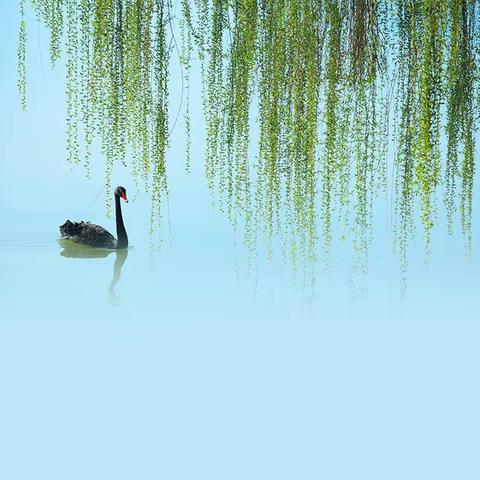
(95, 235)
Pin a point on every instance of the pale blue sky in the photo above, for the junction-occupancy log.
(187, 371)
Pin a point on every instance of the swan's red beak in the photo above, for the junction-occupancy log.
(124, 196)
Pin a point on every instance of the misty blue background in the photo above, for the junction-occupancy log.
(194, 369)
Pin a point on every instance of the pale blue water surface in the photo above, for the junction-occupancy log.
(176, 366)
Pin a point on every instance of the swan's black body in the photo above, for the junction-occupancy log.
(88, 234)
(95, 235)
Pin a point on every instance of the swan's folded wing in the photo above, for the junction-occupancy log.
(88, 233)
(97, 236)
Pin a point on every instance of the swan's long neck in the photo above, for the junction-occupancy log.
(122, 239)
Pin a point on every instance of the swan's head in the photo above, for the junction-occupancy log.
(121, 192)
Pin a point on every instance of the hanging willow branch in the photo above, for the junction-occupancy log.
(316, 76)
(461, 78)
(22, 41)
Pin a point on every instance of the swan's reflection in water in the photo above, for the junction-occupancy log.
(121, 256)
(76, 250)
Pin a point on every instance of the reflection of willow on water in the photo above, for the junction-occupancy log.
(75, 250)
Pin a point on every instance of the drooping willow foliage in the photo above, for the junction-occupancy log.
(312, 72)
(117, 69)
(336, 87)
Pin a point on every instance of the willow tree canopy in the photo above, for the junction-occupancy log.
(334, 86)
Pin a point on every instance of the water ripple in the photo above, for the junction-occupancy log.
(27, 240)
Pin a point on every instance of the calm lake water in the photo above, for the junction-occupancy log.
(117, 367)
(182, 365)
